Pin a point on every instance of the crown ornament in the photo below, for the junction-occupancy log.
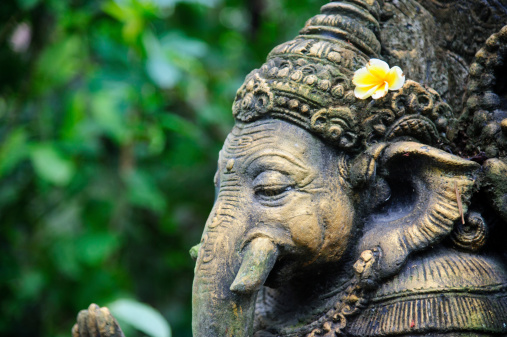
(308, 81)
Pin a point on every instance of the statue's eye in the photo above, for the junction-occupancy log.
(272, 185)
(272, 191)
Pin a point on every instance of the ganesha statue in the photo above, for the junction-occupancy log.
(355, 199)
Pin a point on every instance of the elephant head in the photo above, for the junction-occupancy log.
(288, 202)
(308, 179)
(281, 206)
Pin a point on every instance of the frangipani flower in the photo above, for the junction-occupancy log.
(376, 79)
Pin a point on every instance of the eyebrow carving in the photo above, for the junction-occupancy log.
(274, 153)
(304, 175)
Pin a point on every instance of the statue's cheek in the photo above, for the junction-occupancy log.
(306, 232)
(297, 221)
(304, 225)
(338, 220)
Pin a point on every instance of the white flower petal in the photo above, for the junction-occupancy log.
(378, 68)
(363, 78)
(381, 91)
(395, 78)
(365, 92)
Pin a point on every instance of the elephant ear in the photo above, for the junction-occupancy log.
(430, 191)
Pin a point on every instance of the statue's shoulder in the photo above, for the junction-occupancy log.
(443, 290)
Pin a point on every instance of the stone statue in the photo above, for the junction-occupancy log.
(341, 214)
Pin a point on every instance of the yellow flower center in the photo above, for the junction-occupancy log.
(376, 79)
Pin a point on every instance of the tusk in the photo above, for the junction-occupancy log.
(258, 260)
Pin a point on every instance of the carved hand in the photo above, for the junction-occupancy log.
(96, 322)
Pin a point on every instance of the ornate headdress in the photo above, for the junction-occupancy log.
(308, 81)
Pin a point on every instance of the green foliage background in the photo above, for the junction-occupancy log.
(112, 114)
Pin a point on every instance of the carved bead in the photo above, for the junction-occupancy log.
(442, 123)
(490, 100)
(311, 79)
(349, 97)
(492, 43)
(480, 118)
(293, 104)
(473, 85)
(324, 85)
(367, 255)
(281, 100)
(334, 57)
(491, 151)
(476, 69)
(487, 80)
(491, 61)
(273, 72)
(490, 130)
(352, 299)
(472, 102)
(230, 164)
(503, 32)
(301, 62)
(283, 72)
(338, 91)
(481, 55)
(503, 125)
(297, 76)
(359, 266)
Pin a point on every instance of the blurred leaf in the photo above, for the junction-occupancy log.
(12, 151)
(64, 257)
(31, 283)
(181, 44)
(143, 192)
(76, 113)
(60, 62)
(141, 317)
(115, 10)
(162, 72)
(156, 139)
(179, 125)
(209, 3)
(107, 110)
(51, 165)
(94, 248)
(133, 14)
(159, 66)
(28, 4)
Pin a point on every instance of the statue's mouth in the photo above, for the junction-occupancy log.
(260, 246)
(290, 323)
(282, 311)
